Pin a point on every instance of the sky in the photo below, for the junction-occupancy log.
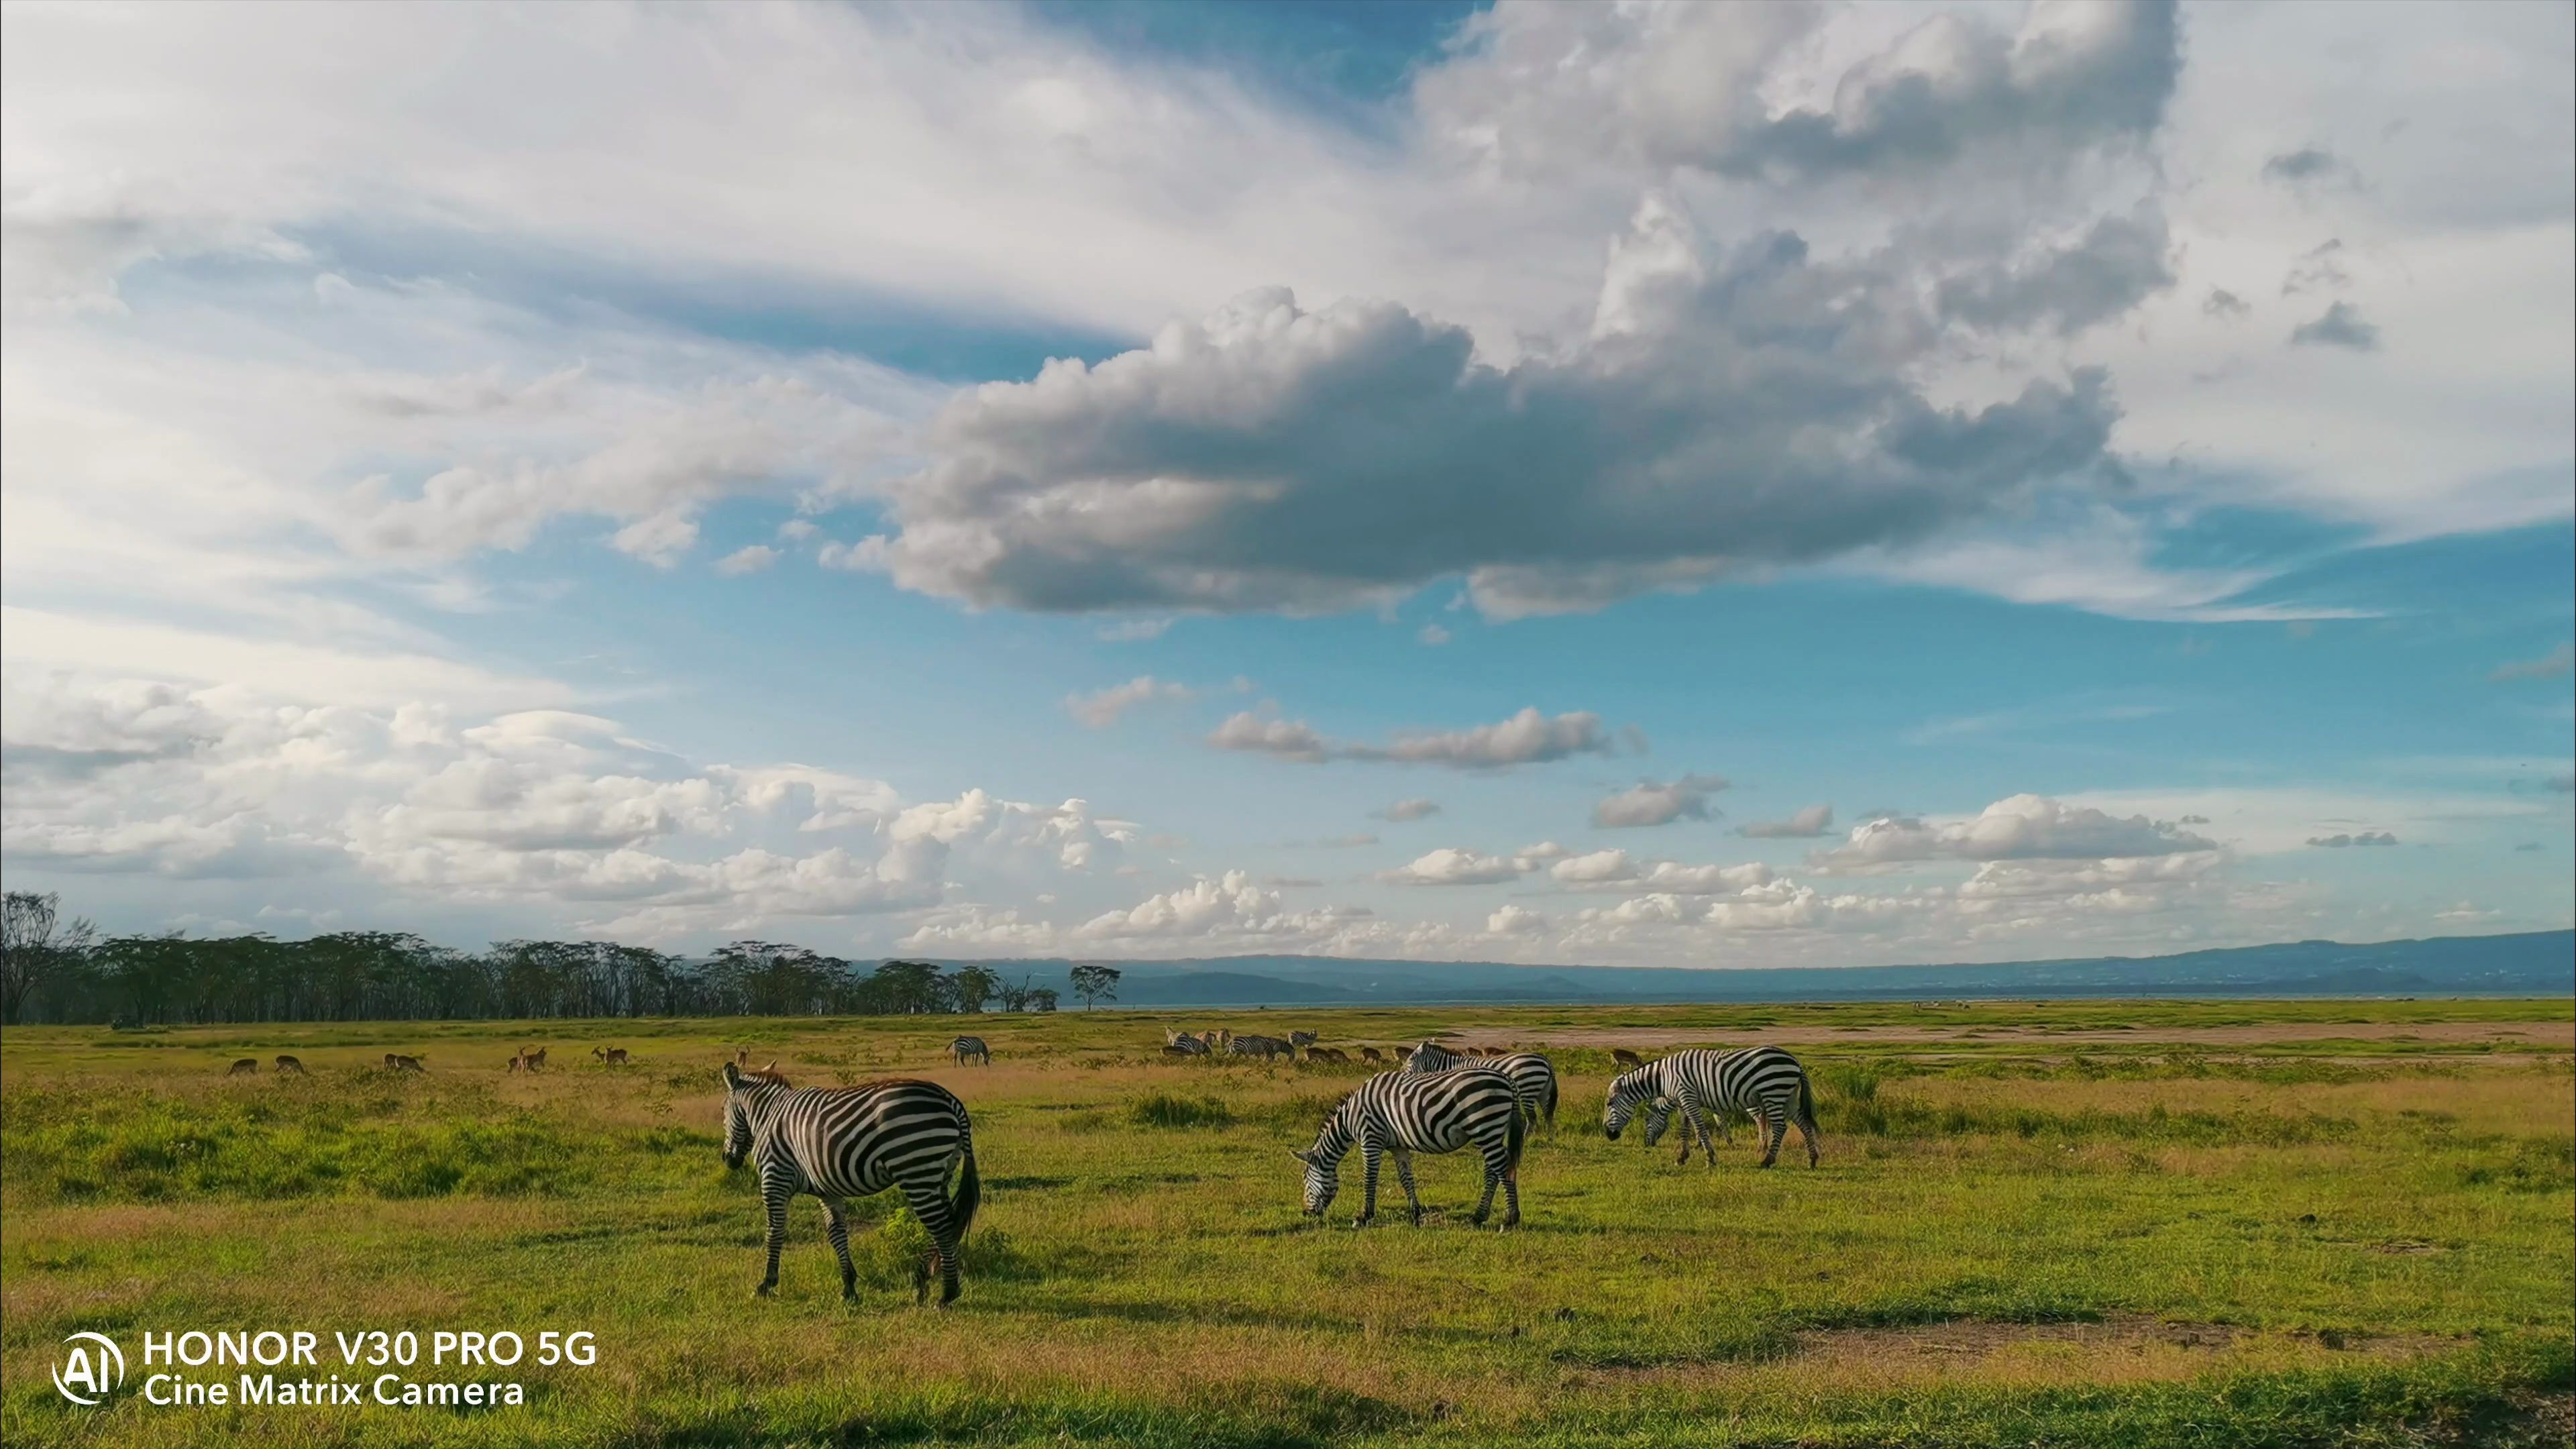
(1663, 485)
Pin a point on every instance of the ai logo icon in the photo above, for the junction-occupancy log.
(90, 1374)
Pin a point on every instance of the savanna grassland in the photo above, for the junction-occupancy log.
(2095, 1223)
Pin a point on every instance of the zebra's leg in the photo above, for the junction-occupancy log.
(774, 1190)
(1511, 1197)
(1404, 1175)
(1368, 1181)
(1775, 1127)
(1807, 1130)
(929, 1203)
(1695, 1123)
(1493, 1155)
(836, 1225)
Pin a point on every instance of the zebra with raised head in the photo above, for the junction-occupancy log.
(839, 1143)
(970, 1046)
(1297, 1039)
(1764, 1082)
(1402, 1113)
(1533, 1076)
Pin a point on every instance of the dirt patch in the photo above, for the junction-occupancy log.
(2558, 1034)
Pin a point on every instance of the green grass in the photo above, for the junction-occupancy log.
(2161, 1240)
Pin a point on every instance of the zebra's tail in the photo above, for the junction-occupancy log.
(970, 1193)
(1806, 1108)
(1549, 1106)
(1513, 1138)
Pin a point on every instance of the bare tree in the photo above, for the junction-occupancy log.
(35, 944)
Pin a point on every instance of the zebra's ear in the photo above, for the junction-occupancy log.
(1307, 1158)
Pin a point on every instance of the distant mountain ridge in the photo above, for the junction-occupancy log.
(2537, 963)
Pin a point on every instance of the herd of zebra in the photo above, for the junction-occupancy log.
(839, 1143)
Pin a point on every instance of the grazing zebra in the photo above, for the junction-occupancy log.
(1533, 1077)
(1431, 1056)
(244, 1067)
(964, 1047)
(1402, 1113)
(612, 1056)
(1764, 1082)
(290, 1064)
(839, 1143)
(1298, 1039)
(1264, 1047)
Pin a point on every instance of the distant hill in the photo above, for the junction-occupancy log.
(2538, 963)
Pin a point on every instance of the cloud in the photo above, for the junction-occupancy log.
(1812, 821)
(1537, 89)
(2553, 665)
(1653, 803)
(1101, 708)
(2223, 303)
(1270, 457)
(1128, 631)
(1526, 738)
(1616, 868)
(2339, 840)
(2024, 827)
(2309, 168)
(1513, 920)
(2340, 325)
(749, 559)
(2121, 262)
(1413, 809)
(2320, 268)
(1451, 867)
(1433, 634)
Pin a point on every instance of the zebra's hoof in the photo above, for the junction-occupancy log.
(949, 1295)
(764, 1290)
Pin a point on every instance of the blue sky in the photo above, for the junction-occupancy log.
(1680, 485)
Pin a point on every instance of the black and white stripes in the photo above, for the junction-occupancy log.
(1402, 1113)
(1766, 1082)
(1533, 1078)
(844, 1142)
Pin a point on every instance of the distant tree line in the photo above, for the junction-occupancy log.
(57, 970)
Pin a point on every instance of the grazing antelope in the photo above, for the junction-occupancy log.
(844, 1142)
(1328, 1054)
(246, 1067)
(1210, 1040)
(967, 1046)
(1626, 1060)
(1372, 1054)
(529, 1059)
(290, 1064)
(1402, 1113)
(1764, 1082)
(613, 1056)
(404, 1064)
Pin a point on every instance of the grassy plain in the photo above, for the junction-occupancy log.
(2091, 1223)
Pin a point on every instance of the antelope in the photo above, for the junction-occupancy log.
(290, 1064)
(1372, 1054)
(613, 1056)
(246, 1067)
(404, 1064)
(529, 1059)
(1627, 1060)
(1327, 1054)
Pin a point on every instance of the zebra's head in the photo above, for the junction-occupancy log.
(737, 1143)
(1627, 1094)
(1324, 1164)
(1659, 1115)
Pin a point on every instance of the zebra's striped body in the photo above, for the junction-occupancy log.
(1298, 1039)
(970, 1046)
(1764, 1082)
(1264, 1047)
(839, 1143)
(1402, 1113)
(1533, 1077)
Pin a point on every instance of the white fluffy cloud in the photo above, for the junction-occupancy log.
(1651, 802)
(2020, 828)
(1805, 824)
(1526, 738)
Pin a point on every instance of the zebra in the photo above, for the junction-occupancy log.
(843, 1142)
(1533, 1077)
(970, 1046)
(1184, 1043)
(1298, 1039)
(1764, 1082)
(1407, 1112)
(1264, 1047)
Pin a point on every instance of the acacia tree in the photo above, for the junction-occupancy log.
(972, 986)
(1095, 983)
(36, 945)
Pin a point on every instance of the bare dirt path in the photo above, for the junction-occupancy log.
(2556, 1034)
